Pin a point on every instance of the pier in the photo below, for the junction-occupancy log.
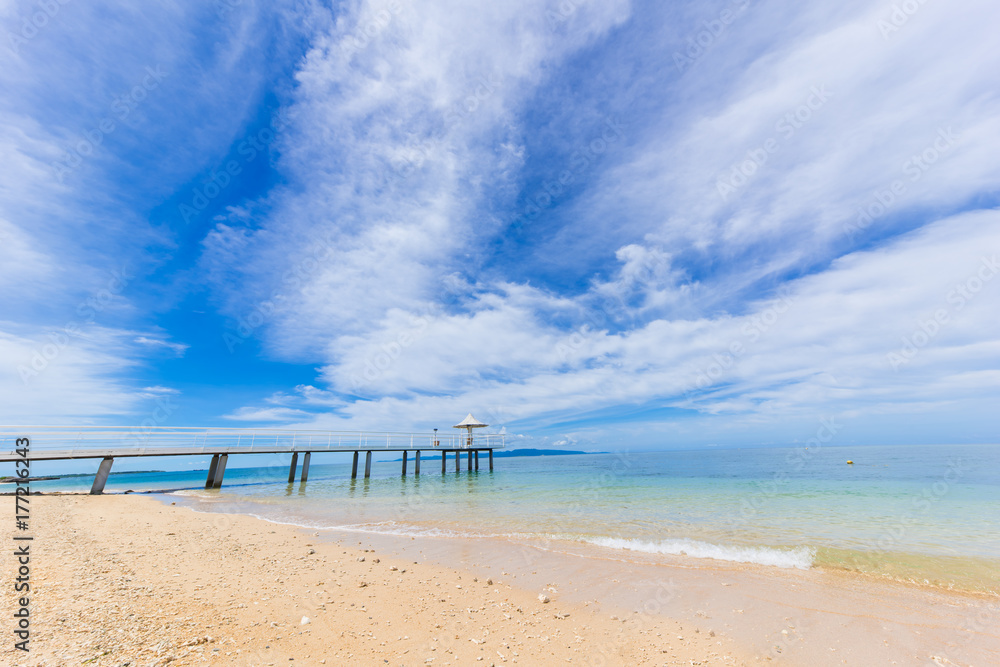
(107, 443)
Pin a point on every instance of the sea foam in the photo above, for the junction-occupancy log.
(798, 557)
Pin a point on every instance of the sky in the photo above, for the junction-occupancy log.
(591, 224)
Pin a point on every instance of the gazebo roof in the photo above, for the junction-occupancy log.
(470, 422)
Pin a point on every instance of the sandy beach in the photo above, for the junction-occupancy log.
(130, 580)
(126, 580)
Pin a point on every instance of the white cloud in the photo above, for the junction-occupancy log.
(391, 148)
(665, 284)
(55, 377)
(132, 105)
(822, 349)
(401, 313)
(176, 348)
(267, 415)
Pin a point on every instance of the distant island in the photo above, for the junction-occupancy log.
(11, 480)
(512, 452)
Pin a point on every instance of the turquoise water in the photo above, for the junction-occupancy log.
(923, 514)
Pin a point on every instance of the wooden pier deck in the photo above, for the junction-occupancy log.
(58, 443)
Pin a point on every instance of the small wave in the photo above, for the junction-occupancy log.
(195, 493)
(799, 557)
(404, 530)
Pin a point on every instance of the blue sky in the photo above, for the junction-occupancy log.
(591, 223)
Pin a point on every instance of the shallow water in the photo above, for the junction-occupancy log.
(916, 513)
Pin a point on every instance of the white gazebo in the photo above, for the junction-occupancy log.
(470, 423)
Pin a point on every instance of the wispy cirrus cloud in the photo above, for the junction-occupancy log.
(534, 209)
(176, 348)
(673, 268)
(104, 116)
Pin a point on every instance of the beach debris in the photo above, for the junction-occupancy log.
(489, 582)
(543, 598)
(393, 568)
(361, 559)
(305, 621)
(375, 560)
(362, 584)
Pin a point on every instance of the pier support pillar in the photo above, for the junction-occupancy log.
(102, 477)
(416, 464)
(477, 460)
(212, 467)
(368, 465)
(291, 469)
(354, 466)
(404, 463)
(468, 460)
(444, 462)
(491, 460)
(305, 466)
(458, 460)
(220, 471)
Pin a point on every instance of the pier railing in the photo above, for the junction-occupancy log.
(92, 441)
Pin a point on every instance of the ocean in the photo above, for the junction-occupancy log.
(929, 515)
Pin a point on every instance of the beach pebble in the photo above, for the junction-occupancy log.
(305, 621)
(361, 559)
(543, 598)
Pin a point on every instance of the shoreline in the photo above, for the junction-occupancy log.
(781, 615)
(190, 497)
(743, 614)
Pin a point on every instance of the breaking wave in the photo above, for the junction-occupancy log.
(798, 557)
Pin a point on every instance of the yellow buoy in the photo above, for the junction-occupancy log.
(850, 462)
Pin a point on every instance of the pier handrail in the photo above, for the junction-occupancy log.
(50, 442)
